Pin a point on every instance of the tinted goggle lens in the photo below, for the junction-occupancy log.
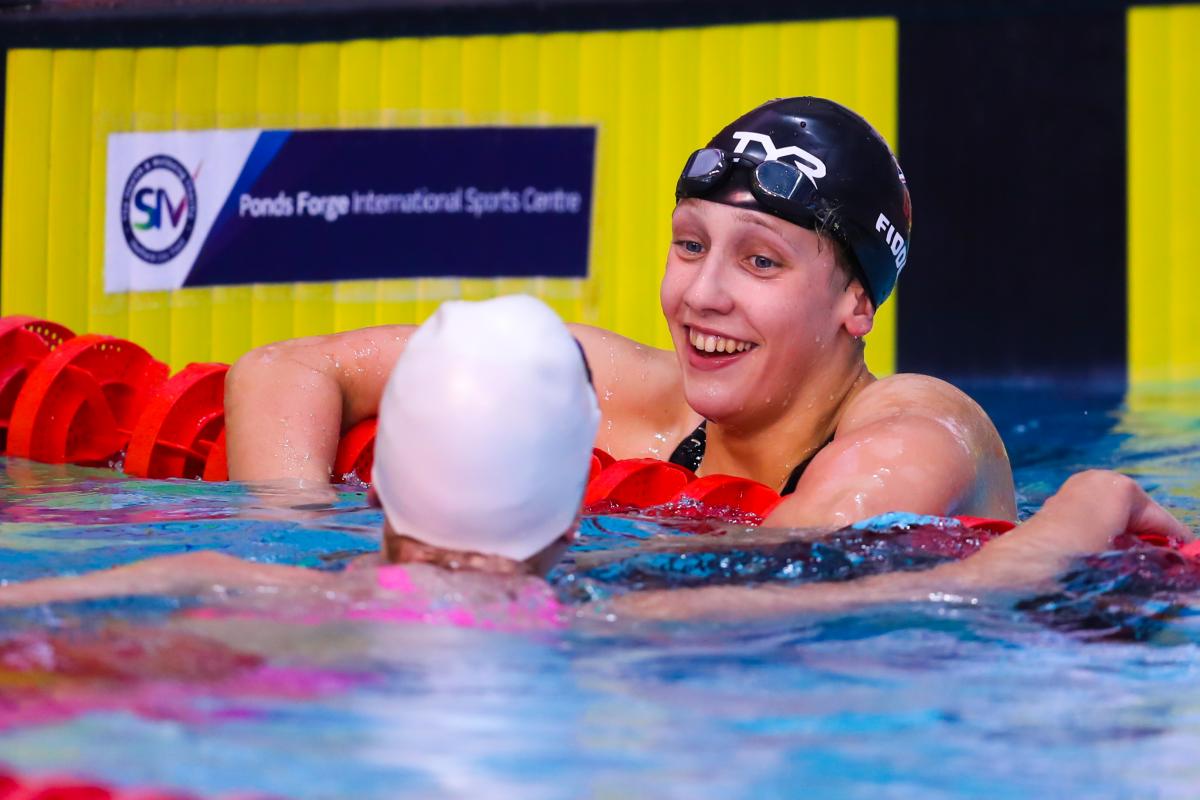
(778, 185)
(778, 179)
(706, 168)
(705, 163)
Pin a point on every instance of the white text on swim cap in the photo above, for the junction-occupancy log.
(894, 240)
(815, 168)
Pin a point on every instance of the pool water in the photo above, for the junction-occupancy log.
(1093, 691)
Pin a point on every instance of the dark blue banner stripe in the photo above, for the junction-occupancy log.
(417, 203)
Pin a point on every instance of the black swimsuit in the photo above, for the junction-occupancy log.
(690, 453)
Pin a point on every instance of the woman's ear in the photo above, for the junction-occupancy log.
(861, 316)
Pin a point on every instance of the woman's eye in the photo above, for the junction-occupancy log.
(690, 246)
(762, 262)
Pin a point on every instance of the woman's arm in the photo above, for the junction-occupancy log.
(287, 404)
(1084, 516)
(184, 574)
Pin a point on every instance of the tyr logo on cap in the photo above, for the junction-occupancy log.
(806, 162)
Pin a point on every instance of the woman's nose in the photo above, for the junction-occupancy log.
(708, 289)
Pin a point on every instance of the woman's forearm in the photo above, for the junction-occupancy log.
(181, 574)
(287, 404)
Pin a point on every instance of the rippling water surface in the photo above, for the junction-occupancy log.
(1093, 692)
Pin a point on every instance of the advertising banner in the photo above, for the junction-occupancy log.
(224, 207)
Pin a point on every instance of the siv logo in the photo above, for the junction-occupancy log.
(894, 241)
(158, 209)
(806, 162)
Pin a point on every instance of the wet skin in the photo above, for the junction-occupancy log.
(903, 443)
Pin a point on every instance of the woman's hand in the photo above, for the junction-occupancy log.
(1090, 510)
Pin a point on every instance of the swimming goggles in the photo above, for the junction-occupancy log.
(777, 185)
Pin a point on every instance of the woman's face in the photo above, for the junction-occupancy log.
(753, 303)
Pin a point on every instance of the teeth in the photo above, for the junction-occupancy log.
(717, 344)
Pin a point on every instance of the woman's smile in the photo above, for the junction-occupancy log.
(712, 351)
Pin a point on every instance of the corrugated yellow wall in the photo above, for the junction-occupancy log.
(654, 95)
(1164, 193)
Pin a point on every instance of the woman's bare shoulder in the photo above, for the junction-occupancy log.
(923, 403)
(911, 393)
(640, 390)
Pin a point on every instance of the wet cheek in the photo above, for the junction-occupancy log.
(674, 286)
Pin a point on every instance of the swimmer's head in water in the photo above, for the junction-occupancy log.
(819, 165)
(486, 429)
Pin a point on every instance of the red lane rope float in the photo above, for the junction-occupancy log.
(1191, 549)
(600, 460)
(80, 403)
(356, 452)
(728, 491)
(989, 525)
(637, 483)
(216, 468)
(13, 787)
(51, 333)
(69, 790)
(603, 457)
(174, 435)
(24, 342)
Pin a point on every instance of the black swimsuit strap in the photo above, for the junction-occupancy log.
(690, 453)
(798, 472)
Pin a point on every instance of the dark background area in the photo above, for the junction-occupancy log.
(1012, 134)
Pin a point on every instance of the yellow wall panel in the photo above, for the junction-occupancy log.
(518, 105)
(1184, 255)
(317, 107)
(652, 95)
(642, 207)
(26, 193)
(679, 133)
(1164, 190)
(195, 109)
(400, 99)
(440, 100)
(481, 105)
(355, 302)
(597, 101)
(236, 107)
(153, 110)
(558, 101)
(111, 104)
(278, 92)
(67, 213)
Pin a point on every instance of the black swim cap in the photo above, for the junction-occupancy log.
(845, 180)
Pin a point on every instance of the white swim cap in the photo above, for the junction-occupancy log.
(486, 429)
